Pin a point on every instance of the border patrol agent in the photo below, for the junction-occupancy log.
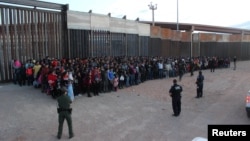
(64, 112)
(199, 83)
(175, 93)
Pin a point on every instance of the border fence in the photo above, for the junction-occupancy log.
(30, 29)
(34, 29)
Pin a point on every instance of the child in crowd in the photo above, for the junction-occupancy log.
(70, 86)
(116, 82)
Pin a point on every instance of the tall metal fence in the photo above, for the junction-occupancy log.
(96, 43)
(33, 33)
(227, 46)
(27, 33)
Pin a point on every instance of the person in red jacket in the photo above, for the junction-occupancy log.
(29, 75)
(44, 77)
(96, 78)
(52, 78)
(88, 83)
(54, 63)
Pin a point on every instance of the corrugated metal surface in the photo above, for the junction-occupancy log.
(96, 43)
(155, 47)
(79, 43)
(118, 45)
(185, 49)
(132, 45)
(245, 51)
(28, 34)
(144, 46)
(31, 33)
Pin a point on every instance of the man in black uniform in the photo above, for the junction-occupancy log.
(181, 67)
(175, 93)
(191, 67)
(199, 83)
(235, 59)
(212, 64)
(64, 112)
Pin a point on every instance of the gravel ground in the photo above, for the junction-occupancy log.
(137, 113)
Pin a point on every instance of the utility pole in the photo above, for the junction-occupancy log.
(153, 8)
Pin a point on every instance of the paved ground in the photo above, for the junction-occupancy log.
(138, 113)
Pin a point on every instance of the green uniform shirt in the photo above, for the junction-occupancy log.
(64, 102)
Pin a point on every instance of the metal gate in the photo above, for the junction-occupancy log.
(30, 30)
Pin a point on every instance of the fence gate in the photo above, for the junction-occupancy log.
(30, 30)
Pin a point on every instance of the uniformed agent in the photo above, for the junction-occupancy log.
(175, 93)
(235, 59)
(199, 83)
(64, 112)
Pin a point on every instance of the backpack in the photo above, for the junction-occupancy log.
(29, 71)
(122, 78)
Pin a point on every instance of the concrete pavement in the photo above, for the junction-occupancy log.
(137, 113)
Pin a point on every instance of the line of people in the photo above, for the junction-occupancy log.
(92, 76)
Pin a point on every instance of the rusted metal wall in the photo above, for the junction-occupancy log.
(221, 45)
(143, 45)
(222, 49)
(132, 45)
(155, 47)
(27, 33)
(169, 43)
(245, 51)
(166, 42)
(96, 43)
(79, 41)
(108, 36)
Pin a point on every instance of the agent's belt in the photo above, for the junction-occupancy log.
(62, 110)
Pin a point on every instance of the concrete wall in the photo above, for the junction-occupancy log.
(164, 41)
(78, 20)
(117, 25)
(165, 33)
(222, 45)
(167, 42)
(92, 21)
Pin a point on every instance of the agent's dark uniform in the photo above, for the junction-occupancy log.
(235, 59)
(181, 69)
(64, 112)
(199, 83)
(212, 63)
(175, 93)
(192, 67)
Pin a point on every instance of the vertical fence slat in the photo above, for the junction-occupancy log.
(45, 35)
(58, 35)
(18, 31)
(39, 34)
(11, 34)
(26, 33)
(55, 36)
(1, 48)
(29, 34)
(22, 35)
(50, 35)
(33, 47)
(8, 43)
(5, 60)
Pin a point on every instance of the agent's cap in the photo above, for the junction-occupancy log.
(63, 90)
(174, 81)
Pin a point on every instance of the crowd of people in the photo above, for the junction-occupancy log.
(95, 75)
